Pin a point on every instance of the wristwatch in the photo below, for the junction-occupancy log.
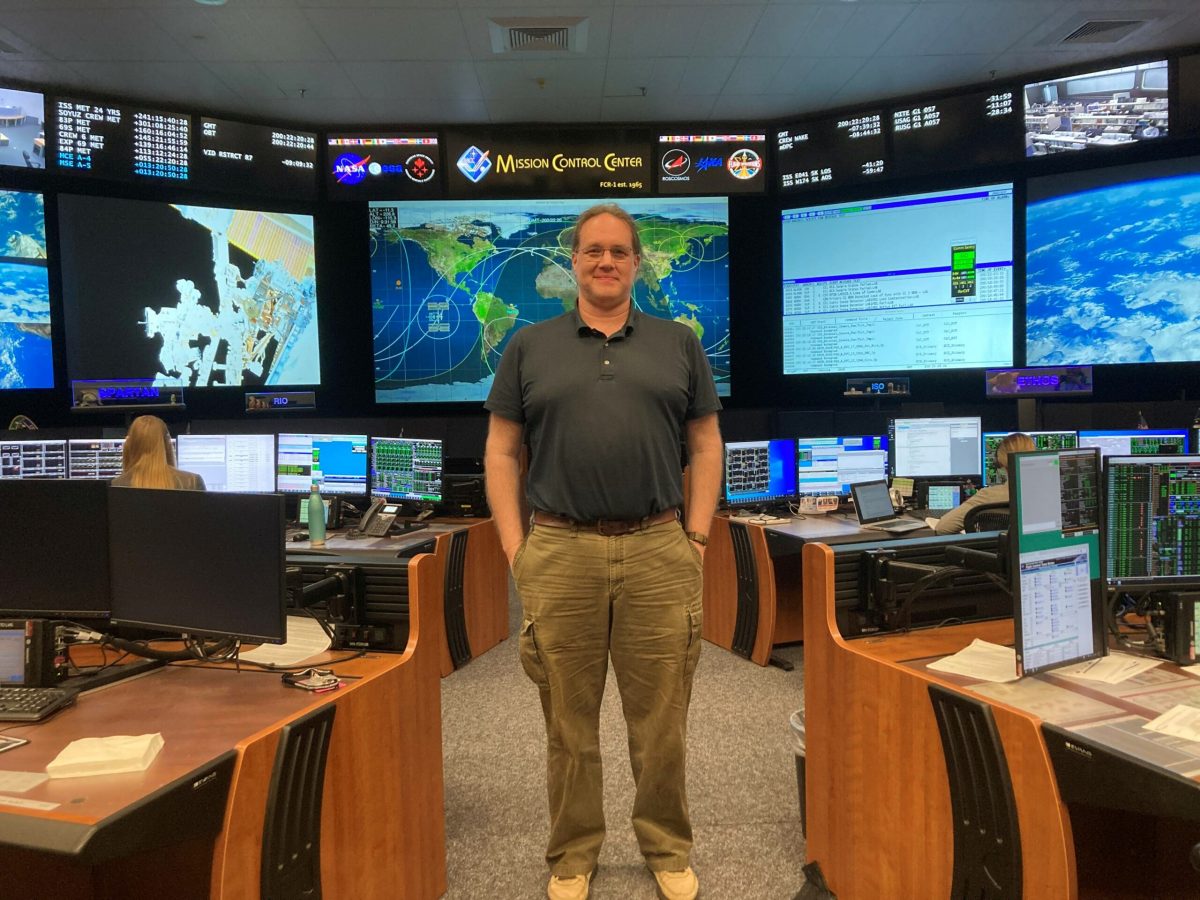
(697, 537)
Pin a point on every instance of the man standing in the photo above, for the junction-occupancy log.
(604, 396)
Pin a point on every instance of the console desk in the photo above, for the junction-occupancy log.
(191, 825)
(469, 614)
(752, 579)
(1095, 817)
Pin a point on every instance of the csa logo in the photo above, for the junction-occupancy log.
(419, 168)
(676, 162)
(349, 168)
(744, 164)
(474, 163)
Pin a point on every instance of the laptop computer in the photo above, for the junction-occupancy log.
(873, 506)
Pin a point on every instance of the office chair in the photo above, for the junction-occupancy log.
(291, 849)
(987, 837)
(986, 517)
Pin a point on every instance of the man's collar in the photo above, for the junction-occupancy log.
(584, 328)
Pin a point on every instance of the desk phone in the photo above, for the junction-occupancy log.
(379, 519)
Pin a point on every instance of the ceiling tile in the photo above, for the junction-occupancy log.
(174, 85)
(390, 33)
(596, 35)
(118, 34)
(652, 108)
(40, 72)
(562, 109)
(549, 79)
(680, 31)
(652, 76)
(243, 35)
(432, 111)
(752, 74)
(958, 27)
(740, 107)
(278, 80)
(415, 80)
(707, 76)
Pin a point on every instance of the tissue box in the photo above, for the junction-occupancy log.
(105, 755)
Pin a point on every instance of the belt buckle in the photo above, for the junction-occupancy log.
(614, 527)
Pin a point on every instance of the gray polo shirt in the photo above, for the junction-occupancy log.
(604, 416)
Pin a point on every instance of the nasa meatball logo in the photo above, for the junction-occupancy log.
(419, 168)
(350, 168)
(676, 162)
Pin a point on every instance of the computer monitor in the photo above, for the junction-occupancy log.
(935, 447)
(95, 458)
(198, 563)
(1152, 522)
(406, 469)
(829, 465)
(1136, 443)
(239, 463)
(55, 566)
(33, 458)
(1042, 440)
(759, 471)
(1055, 558)
(336, 462)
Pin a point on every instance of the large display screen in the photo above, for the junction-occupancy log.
(383, 166)
(590, 162)
(255, 159)
(22, 128)
(1111, 262)
(451, 282)
(962, 132)
(121, 142)
(26, 360)
(935, 447)
(1152, 518)
(832, 152)
(711, 163)
(335, 463)
(1111, 108)
(921, 281)
(188, 295)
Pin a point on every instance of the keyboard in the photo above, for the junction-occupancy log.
(897, 526)
(32, 704)
(924, 514)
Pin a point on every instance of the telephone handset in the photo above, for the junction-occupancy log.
(379, 518)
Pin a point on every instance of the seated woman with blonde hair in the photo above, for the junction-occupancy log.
(952, 522)
(148, 459)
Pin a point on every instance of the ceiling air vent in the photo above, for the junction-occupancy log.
(1107, 31)
(557, 34)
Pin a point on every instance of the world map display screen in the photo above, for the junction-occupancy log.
(26, 360)
(1128, 289)
(451, 281)
(193, 296)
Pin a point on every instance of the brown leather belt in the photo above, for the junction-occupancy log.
(606, 527)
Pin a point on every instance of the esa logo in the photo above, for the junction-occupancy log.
(474, 163)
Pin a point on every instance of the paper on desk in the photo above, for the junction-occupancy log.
(105, 755)
(19, 782)
(1111, 669)
(931, 522)
(982, 660)
(305, 638)
(1178, 721)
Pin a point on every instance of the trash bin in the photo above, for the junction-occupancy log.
(797, 722)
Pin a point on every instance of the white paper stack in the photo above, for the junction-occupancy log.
(981, 660)
(106, 755)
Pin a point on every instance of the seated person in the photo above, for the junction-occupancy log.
(952, 522)
(148, 459)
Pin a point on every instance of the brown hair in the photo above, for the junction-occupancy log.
(147, 456)
(606, 209)
(1017, 442)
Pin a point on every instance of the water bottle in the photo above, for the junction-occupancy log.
(316, 518)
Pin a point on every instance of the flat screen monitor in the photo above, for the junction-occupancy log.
(194, 296)
(198, 563)
(237, 463)
(832, 151)
(452, 281)
(936, 447)
(117, 141)
(55, 566)
(95, 457)
(1056, 568)
(25, 458)
(1097, 110)
(1136, 443)
(335, 462)
(904, 283)
(960, 132)
(406, 469)
(26, 360)
(1120, 293)
(721, 163)
(374, 166)
(1152, 522)
(1042, 440)
(23, 123)
(829, 465)
(759, 471)
(255, 159)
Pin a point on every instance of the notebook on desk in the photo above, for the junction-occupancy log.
(873, 506)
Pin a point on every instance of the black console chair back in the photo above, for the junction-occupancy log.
(986, 517)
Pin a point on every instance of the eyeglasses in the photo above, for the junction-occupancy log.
(618, 254)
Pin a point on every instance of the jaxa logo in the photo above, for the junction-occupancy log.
(474, 163)
(349, 168)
